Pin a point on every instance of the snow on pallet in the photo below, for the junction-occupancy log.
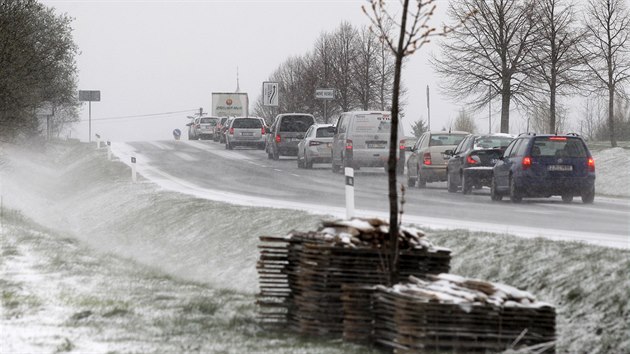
(448, 313)
(302, 274)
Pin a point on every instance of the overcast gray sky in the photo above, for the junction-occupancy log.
(151, 57)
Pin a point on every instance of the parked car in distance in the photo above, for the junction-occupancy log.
(219, 128)
(428, 159)
(362, 140)
(204, 127)
(545, 165)
(286, 132)
(316, 145)
(245, 131)
(224, 129)
(472, 161)
(191, 129)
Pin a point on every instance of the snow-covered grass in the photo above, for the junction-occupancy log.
(122, 267)
(612, 167)
(59, 296)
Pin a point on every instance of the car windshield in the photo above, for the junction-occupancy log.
(211, 121)
(325, 132)
(296, 123)
(492, 142)
(247, 123)
(558, 146)
(446, 139)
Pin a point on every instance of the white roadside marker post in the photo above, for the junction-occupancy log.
(349, 192)
(98, 141)
(109, 150)
(133, 169)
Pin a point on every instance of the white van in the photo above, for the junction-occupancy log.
(362, 140)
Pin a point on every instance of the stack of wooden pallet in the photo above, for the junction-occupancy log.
(448, 313)
(302, 274)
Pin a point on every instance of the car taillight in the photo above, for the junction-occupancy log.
(591, 164)
(470, 160)
(402, 145)
(348, 144)
(278, 139)
(426, 158)
(527, 162)
(262, 130)
(231, 131)
(314, 143)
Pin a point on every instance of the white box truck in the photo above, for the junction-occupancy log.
(230, 104)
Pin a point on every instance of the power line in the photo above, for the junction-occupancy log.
(143, 115)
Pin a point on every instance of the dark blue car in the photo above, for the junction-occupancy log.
(545, 165)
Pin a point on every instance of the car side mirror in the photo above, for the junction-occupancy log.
(448, 152)
(300, 136)
(408, 148)
(501, 157)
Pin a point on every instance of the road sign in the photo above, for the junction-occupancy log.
(270, 94)
(325, 94)
(91, 96)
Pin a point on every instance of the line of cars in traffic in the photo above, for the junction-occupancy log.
(527, 165)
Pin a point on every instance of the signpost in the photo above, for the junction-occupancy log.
(349, 172)
(270, 94)
(326, 95)
(133, 169)
(90, 96)
(46, 109)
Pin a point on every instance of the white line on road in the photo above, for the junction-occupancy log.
(293, 174)
(275, 169)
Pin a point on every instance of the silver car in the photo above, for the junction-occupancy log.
(245, 131)
(204, 127)
(316, 145)
(429, 157)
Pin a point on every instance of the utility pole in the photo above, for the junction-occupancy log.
(428, 111)
(489, 110)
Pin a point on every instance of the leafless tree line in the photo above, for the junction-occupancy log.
(352, 61)
(37, 65)
(531, 52)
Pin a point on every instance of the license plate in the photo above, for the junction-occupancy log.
(247, 134)
(560, 168)
(376, 146)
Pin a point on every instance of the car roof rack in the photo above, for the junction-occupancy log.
(573, 134)
(527, 133)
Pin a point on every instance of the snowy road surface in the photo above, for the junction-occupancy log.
(247, 177)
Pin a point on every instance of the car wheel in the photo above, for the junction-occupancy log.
(300, 163)
(261, 147)
(588, 196)
(466, 185)
(567, 198)
(269, 155)
(335, 167)
(494, 193)
(307, 163)
(515, 195)
(450, 186)
(411, 182)
(422, 182)
(276, 155)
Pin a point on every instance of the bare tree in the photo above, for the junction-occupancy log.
(539, 116)
(414, 32)
(465, 122)
(605, 51)
(491, 50)
(556, 56)
(365, 77)
(592, 114)
(343, 54)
